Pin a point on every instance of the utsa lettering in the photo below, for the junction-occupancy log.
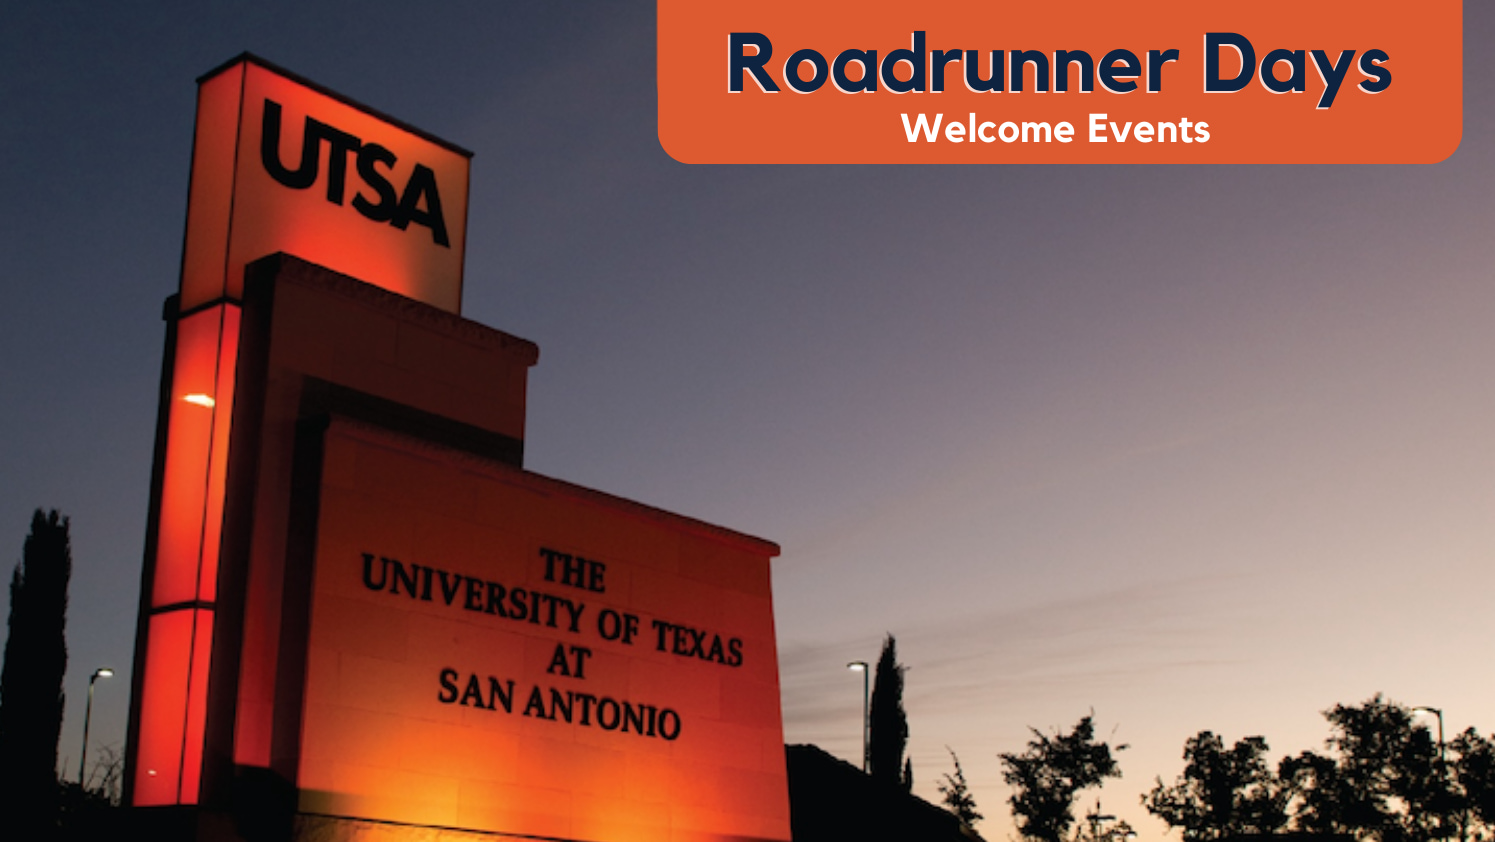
(370, 157)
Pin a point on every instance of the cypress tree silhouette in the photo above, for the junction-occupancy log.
(889, 725)
(31, 680)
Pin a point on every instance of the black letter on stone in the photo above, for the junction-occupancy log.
(401, 577)
(305, 174)
(448, 692)
(504, 693)
(474, 692)
(339, 144)
(422, 183)
(668, 729)
(559, 664)
(368, 572)
(368, 156)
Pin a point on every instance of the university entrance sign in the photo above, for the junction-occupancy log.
(361, 618)
(281, 164)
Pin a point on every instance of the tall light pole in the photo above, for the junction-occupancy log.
(1442, 748)
(861, 667)
(1442, 755)
(101, 672)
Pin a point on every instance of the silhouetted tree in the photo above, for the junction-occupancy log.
(1316, 792)
(1221, 793)
(90, 811)
(889, 725)
(1473, 773)
(957, 795)
(31, 694)
(105, 779)
(1050, 774)
(1384, 781)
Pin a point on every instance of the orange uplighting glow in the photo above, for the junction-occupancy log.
(409, 635)
(550, 663)
(278, 166)
(196, 451)
(169, 753)
(179, 634)
(339, 185)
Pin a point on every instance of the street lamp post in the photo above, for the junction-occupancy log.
(1442, 757)
(862, 667)
(101, 672)
(1442, 748)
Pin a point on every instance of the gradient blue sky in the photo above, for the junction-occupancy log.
(1193, 447)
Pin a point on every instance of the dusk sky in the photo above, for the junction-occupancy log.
(1190, 447)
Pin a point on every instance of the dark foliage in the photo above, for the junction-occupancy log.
(1049, 775)
(957, 794)
(1383, 779)
(31, 680)
(1473, 772)
(1221, 793)
(888, 730)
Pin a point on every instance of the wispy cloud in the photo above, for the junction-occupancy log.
(961, 664)
(1003, 475)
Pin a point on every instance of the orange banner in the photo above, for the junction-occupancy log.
(982, 82)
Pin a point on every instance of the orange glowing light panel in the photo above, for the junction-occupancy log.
(169, 751)
(196, 450)
(279, 165)
(504, 653)
(173, 703)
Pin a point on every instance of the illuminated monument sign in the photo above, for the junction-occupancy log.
(361, 619)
